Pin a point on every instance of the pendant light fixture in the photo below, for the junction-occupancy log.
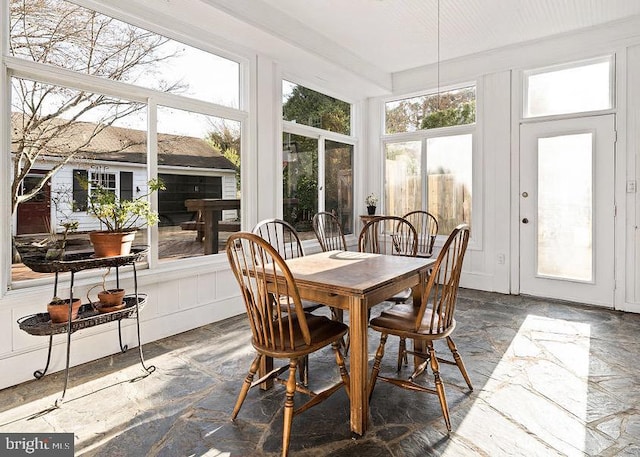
(438, 53)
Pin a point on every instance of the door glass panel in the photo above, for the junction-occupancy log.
(338, 197)
(565, 207)
(300, 182)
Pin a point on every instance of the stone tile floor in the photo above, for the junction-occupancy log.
(550, 379)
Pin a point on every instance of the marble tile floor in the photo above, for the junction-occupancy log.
(549, 378)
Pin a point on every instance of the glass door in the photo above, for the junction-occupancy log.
(567, 209)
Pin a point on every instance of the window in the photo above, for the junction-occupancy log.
(432, 171)
(446, 109)
(126, 185)
(73, 134)
(308, 107)
(317, 168)
(200, 158)
(571, 88)
(69, 36)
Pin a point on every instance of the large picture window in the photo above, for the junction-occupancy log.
(431, 170)
(62, 136)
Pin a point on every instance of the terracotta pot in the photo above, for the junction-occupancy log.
(110, 244)
(112, 297)
(59, 311)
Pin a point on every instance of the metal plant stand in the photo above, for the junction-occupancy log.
(88, 316)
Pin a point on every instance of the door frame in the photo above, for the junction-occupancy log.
(604, 242)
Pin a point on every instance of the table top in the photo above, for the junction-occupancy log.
(353, 273)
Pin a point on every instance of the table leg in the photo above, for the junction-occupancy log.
(359, 365)
(266, 365)
(211, 219)
(419, 345)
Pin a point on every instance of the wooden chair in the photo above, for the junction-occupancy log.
(280, 327)
(329, 232)
(378, 236)
(432, 320)
(391, 235)
(282, 236)
(427, 227)
(285, 239)
(330, 235)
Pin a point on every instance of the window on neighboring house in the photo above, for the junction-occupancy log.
(570, 88)
(80, 192)
(126, 185)
(105, 137)
(317, 168)
(432, 171)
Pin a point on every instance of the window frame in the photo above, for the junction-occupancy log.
(15, 67)
(321, 136)
(475, 130)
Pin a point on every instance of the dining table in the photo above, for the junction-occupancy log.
(354, 282)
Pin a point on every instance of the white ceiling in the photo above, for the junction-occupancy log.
(396, 35)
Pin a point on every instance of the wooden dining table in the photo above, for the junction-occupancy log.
(354, 282)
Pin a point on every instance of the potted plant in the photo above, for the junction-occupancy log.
(121, 218)
(109, 299)
(58, 309)
(371, 202)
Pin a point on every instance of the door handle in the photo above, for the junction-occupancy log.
(525, 221)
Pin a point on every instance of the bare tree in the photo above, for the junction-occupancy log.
(45, 118)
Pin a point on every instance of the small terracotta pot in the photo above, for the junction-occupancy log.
(112, 297)
(59, 311)
(110, 244)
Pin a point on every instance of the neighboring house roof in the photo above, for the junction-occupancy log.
(124, 145)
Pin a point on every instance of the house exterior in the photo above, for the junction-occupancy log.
(116, 157)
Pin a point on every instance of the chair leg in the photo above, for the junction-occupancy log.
(344, 374)
(439, 386)
(338, 315)
(376, 363)
(288, 407)
(459, 362)
(246, 385)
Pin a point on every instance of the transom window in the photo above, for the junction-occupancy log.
(429, 111)
(575, 87)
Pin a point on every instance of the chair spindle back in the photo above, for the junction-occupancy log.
(441, 290)
(391, 235)
(329, 232)
(269, 302)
